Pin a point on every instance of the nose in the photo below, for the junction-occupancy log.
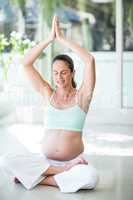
(59, 76)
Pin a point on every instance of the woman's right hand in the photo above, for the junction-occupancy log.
(52, 34)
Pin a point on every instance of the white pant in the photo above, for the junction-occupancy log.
(28, 168)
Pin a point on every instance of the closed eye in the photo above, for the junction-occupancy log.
(55, 73)
(62, 72)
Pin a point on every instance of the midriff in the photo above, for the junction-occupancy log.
(62, 144)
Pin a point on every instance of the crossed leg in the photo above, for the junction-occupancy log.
(53, 170)
(49, 173)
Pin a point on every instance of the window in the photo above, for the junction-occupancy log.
(128, 25)
(128, 54)
(90, 23)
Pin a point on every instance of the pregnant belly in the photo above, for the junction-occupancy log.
(62, 146)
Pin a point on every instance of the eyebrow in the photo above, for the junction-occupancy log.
(65, 70)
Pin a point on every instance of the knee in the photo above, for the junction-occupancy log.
(94, 177)
(91, 176)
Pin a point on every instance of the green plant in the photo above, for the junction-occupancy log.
(3, 45)
(17, 45)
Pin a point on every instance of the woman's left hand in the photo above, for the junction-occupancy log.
(58, 32)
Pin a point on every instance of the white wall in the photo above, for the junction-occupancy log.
(105, 103)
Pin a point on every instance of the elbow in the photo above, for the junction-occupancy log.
(90, 59)
(26, 62)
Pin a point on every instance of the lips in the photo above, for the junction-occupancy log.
(60, 82)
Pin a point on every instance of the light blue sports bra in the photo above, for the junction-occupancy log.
(71, 118)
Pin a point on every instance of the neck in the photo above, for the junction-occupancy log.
(65, 92)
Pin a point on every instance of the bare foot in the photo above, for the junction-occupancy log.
(49, 180)
(79, 160)
(16, 180)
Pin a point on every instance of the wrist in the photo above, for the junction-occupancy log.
(49, 40)
(61, 40)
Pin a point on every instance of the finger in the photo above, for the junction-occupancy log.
(53, 25)
(86, 162)
(57, 20)
(56, 26)
(53, 21)
(56, 17)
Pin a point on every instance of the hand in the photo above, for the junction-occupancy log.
(58, 32)
(52, 34)
(76, 161)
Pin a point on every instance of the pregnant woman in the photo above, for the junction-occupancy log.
(61, 163)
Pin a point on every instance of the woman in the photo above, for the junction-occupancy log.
(66, 109)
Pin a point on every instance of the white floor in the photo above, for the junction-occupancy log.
(109, 149)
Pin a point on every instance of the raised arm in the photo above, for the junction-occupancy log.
(88, 82)
(38, 82)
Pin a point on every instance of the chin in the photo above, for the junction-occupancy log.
(61, 86)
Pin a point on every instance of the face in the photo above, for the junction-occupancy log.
(62, 75)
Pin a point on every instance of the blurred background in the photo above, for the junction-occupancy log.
(104, 27)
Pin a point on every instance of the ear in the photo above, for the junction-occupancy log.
(73, 73)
